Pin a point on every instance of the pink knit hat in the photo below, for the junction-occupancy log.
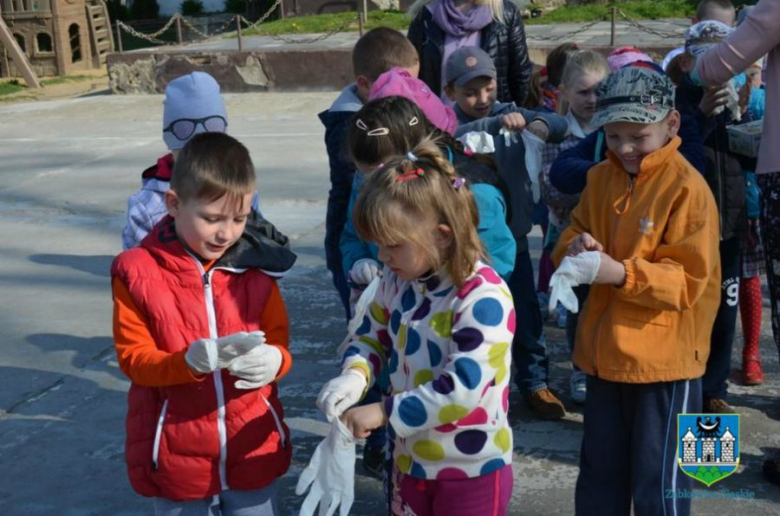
(623, 56)
(399, 83)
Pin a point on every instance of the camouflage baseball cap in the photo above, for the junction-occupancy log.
(633, 94)
(703, 35)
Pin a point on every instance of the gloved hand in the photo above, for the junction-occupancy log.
(341, 393)
(238, 344)
(573, 270)
(257, 368)
(331, 474)
(364, 270)
(202, 355)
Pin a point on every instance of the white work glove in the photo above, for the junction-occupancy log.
(364, 271)
(360, 309)
(208, 355)
(533, 160)
(331, 475)
(257, 368)
(238, 344)
(573, 270)
(509, 135)
(201, 356)
(479, 142)
(341, 393)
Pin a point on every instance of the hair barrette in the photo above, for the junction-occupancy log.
(414, 121)
(379, 131)
(409, 175)
(458, 183)
(411, 157)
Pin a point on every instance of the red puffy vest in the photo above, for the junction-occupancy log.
(193, 440)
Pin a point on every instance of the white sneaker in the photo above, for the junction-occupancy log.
(578, 387)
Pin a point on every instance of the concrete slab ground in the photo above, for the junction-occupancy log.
(68, 167)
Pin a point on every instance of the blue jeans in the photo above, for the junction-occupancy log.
(529, 348)
(257, 502)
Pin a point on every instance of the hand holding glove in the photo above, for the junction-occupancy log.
(573, 270)
(341, 393)
(364, 271)
(208, 355)
(257, 368)
(330, 474)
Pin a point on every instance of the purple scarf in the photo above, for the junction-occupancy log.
(455, 23)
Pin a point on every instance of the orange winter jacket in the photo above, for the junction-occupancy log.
(663, 225)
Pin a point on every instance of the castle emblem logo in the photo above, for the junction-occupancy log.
(708, 446)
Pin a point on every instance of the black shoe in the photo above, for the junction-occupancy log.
(772, 470)
(374, 461)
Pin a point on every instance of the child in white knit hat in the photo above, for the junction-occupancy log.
(192, 105)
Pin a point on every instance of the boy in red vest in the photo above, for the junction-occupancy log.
(201, 330)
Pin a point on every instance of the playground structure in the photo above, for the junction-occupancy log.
(56, 37)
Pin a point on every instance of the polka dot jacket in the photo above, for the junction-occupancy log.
(448, 355)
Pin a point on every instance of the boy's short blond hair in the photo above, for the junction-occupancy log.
(380, 50)
(211, 166)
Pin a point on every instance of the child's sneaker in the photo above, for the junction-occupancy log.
(561, 315)
(544, 304)
(545, 404)
(577, 386)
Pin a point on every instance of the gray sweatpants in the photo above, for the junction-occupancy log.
(258, 502)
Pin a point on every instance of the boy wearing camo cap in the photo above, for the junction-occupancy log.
(648, 226)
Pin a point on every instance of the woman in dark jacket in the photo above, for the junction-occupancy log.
(441, 26)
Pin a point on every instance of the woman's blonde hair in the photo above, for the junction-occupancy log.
(395, 200)
(496, 7)
(580, 63)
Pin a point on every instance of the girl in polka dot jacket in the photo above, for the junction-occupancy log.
(441, 322)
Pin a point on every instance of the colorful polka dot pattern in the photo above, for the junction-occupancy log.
(447, 353)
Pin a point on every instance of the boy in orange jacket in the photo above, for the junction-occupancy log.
(201, 330)
(648, 225)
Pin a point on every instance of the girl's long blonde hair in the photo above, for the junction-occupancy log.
(390, 210)
(581, 63)
(496, 7)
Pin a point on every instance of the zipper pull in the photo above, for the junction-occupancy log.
(206, 282)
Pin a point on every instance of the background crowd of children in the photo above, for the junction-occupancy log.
(435, 187)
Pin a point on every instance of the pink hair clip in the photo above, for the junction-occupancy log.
(409, 175)
(458, 183)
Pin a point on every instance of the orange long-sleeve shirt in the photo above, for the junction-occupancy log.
(145, 364)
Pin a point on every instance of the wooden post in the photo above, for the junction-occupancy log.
(18, 57)
(365, 13)
(119, 37)
(360, 24)
(281, 10)
(238, 33)
(613, 15)
(179, 37)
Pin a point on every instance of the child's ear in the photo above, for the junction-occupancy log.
(443, 237)
(450, 91)
(363, 86)
(173, 203)
(673, 121)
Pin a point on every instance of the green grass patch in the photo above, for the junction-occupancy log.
(322, 23)
(12, 86)
(636, 9)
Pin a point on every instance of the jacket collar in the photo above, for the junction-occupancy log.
(261, 246)
(652, 162)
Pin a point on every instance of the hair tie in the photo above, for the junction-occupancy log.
(542, 72)
(379, 131)
(409, 175)
(458, 183)
(411, 157)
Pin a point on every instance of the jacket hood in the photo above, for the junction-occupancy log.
(347, 103)
(261, 246)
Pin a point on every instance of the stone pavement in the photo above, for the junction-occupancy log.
(68, 167)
